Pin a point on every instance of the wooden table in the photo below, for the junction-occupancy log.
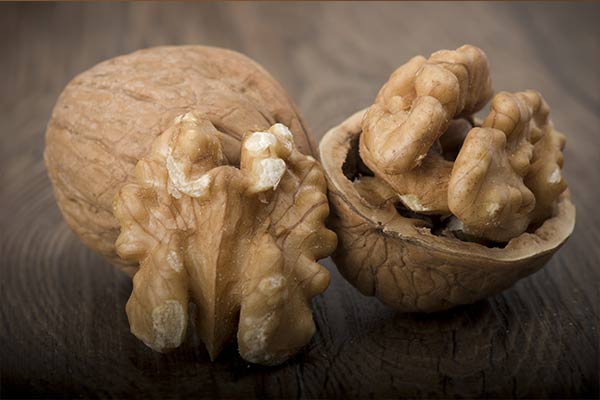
(63, 327)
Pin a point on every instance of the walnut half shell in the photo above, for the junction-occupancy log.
(433, 208)
(403, 262)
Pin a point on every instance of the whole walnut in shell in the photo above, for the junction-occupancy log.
(434, 209)
(107, 118)
(190, 168)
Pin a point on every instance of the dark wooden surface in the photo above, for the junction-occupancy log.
(63, 327)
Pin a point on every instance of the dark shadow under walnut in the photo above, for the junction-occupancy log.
(410, 261)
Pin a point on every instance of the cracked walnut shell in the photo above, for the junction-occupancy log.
(433, 209)
(177, 164)
(398, 259)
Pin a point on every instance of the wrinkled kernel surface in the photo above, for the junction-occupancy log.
(240, 243)
(497, 179)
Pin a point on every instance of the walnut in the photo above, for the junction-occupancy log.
(433, 208)
(107, 118)
(411, 112)
(179, 160)
(240, 244)
(493, 189)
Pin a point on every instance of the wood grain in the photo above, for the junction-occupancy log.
(63, 328)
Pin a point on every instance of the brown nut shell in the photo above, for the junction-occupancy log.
(401, 262)
(107, 117)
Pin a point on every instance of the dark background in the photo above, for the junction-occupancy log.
(63, 327)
